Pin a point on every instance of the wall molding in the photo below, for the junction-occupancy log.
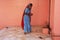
(55, 35)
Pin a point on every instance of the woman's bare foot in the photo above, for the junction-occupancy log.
(25, 33)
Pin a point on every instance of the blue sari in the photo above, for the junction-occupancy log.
(27, 26)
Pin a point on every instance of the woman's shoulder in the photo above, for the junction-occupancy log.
(27, 9)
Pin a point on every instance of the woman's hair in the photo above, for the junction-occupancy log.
(30, 4)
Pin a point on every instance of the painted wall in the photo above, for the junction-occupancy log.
(52, 6)
(11, 12)
(55, 19)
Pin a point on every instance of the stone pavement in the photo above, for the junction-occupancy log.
(16, 33)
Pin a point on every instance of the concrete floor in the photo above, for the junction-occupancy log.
(16, 33)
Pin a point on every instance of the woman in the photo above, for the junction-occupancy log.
(26, 19)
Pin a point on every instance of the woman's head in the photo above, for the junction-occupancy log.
(30, 5)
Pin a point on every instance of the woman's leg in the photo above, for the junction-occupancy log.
(25, 24)
(29, 26)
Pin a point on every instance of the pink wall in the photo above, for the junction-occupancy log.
(43, 15)
(55, 19)
(11, 12)
(52, 14)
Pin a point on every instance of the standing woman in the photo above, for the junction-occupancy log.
(26, 19)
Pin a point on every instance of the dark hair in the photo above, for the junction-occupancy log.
(30, 4)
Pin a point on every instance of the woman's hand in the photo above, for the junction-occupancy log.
(30, 14)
